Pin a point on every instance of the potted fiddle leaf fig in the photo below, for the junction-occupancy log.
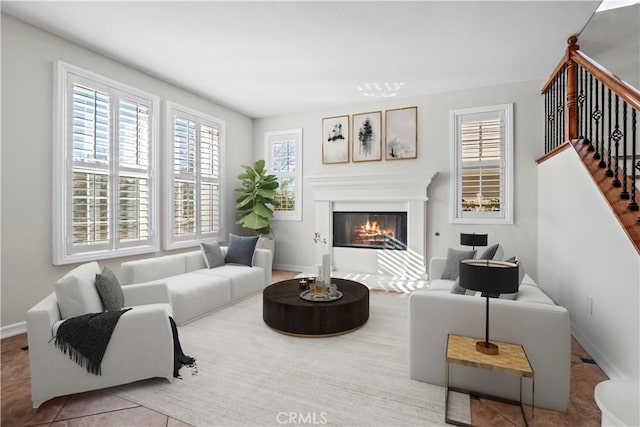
(257, 198)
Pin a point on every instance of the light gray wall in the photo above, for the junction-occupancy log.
(294, 246)
(28, 57)
(586, 258)
(612, 38)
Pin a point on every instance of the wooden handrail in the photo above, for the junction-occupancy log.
(610, 80)
(573, 46)
(613, 82)
(554, 75)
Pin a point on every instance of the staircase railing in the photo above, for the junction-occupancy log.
(585, 101)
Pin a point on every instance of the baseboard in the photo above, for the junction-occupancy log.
(290, 267)
(601, 359)
(11, 330)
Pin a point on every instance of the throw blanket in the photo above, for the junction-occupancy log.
(179, 358)
(85, 338)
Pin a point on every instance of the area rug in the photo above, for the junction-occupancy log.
(251, 375)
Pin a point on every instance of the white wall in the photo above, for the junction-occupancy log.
(294, 245)
(28, 57)
(583, 252)
(612, 38)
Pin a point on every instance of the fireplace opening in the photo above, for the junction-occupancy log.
(370, 230)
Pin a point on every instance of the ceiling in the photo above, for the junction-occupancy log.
(272, 58)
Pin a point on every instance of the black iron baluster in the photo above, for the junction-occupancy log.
(552, 127)
(577, 107)
(561, 102)
(596, 116)
(555, 112)
(634, 204)
(546, 123)
(580, 110)
(590, 99)
(558, 129)
(624, 194)
(617, 136)
(609, 170)
(602, 163)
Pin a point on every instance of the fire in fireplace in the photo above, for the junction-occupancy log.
(371, 230)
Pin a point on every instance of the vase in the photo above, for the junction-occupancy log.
(326, 269)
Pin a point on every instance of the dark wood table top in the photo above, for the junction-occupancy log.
(286, 311)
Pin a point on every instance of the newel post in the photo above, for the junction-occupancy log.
(571, 129)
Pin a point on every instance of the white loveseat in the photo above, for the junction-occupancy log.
(196, 290)
(141, 345)
(531, 319)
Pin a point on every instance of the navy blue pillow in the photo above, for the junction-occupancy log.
(240, 250)
(490, 252)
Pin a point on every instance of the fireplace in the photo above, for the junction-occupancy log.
(379, 194)
(370, 230)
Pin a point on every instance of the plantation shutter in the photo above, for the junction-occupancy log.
(90, 143)
(103, 177)
(283, 165)
(210, 174)
(184, 186)
(482, 164)
(133, 179)
(195, 179)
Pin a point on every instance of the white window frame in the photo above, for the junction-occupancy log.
(505, 215)
(170, 240)
(64, 251)
(271, 137)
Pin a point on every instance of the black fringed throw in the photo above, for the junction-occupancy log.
(85, 338)
(179, 358)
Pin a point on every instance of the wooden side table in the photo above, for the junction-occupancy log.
(512, 360)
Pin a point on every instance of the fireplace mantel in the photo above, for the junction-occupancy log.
(378, 187)
(374, 192)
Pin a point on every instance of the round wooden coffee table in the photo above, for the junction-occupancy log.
(285, 311)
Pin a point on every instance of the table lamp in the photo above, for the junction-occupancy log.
(490, 277)
(473, 240)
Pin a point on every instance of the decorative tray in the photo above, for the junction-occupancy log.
(308, 296)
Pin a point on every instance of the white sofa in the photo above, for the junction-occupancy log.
(531, 319)
(196, 290)
(141, 345)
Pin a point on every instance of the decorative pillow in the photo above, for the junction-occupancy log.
(516, 260)
(452, 265)
(109, 290)
(76, 292)
(457, 289)
(490, 252)
(212, 254)
(240, 250)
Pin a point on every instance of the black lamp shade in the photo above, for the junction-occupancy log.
(473, 239)
(490, 276)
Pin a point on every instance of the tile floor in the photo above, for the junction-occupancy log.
(102, 408)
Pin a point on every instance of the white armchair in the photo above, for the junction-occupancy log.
(141, 345)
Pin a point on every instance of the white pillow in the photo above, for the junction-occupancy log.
(76, 291)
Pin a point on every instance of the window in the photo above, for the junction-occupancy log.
(104, 183)
(482, 188)
(193, 205)
(284, 160)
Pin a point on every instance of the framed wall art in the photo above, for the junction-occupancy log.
(401, 133)
(367, 138)
(335, 139)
